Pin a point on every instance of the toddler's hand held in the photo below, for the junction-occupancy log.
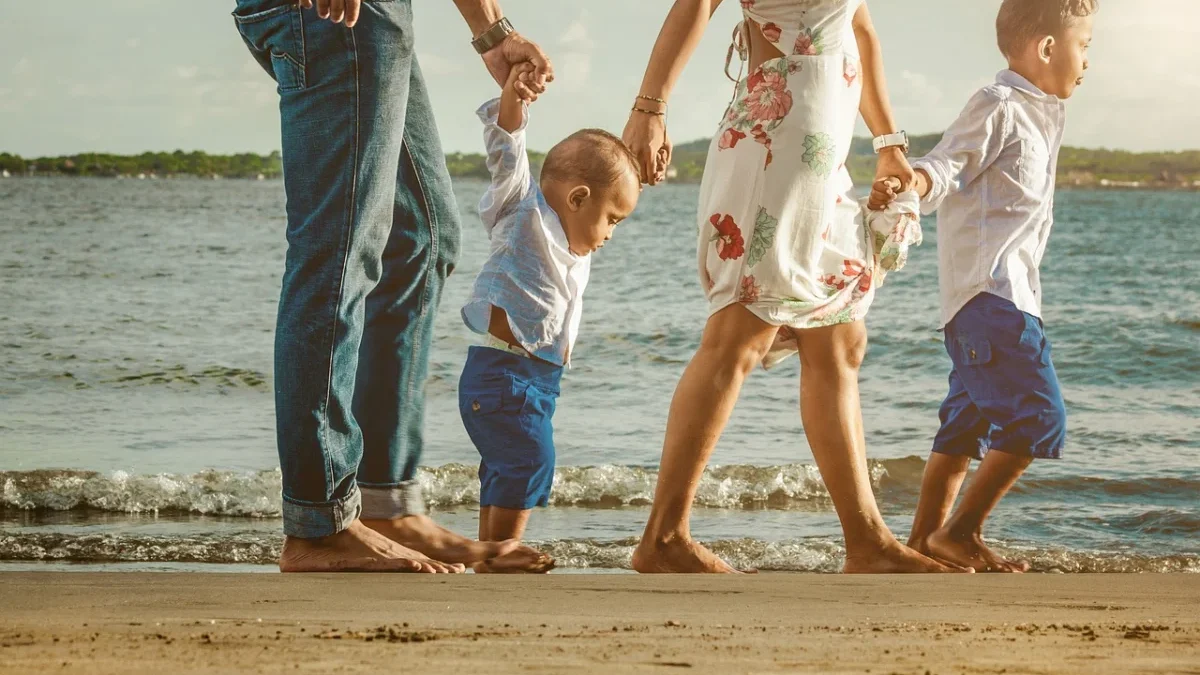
(884, 192)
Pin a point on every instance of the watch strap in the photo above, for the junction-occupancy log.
(899, 138)
(493, 36)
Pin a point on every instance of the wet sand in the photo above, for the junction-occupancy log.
(173, 623)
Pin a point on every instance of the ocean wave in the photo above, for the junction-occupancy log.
(222, 376)
(1186, 322)
(256, 494)
(797, 555)
(219, 493)
(1159, 522)
(789, 486)
(1169, 486)
(86, 375)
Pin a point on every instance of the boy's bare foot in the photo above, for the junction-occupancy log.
(679, 555)
(420, 533)
(895, 558)
(969, 551)
(355, 549)
(524, 560)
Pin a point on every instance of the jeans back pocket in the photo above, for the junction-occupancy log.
(273, 30)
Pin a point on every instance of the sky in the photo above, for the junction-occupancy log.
(128, 76)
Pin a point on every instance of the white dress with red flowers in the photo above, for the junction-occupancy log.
(779, 232)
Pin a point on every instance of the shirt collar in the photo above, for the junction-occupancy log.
(1015, 80)
(558, 236)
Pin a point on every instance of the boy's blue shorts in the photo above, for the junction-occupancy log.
(1004, 393)
(507, 402)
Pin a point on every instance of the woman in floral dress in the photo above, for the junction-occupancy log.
(782, 260)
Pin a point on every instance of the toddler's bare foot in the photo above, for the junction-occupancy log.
(355, 549)
(920, 545)
(681, 555)
(524, 560)
(969, 551)
(420, 533)
(894, 558)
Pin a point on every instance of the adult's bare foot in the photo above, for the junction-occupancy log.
(678, 555)
(355, 549)
(524, 560)
(968, 550)
(895, 558)
(420, 533)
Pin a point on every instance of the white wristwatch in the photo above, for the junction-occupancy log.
(899, 138)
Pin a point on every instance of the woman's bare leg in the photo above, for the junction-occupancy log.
(832, 416)
(734, 342)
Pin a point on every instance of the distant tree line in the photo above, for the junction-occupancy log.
(178, 163)
(1077, 166)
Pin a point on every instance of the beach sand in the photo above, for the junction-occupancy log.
(162, 623)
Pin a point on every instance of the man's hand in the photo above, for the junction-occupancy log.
(516, 49)
(336, 11)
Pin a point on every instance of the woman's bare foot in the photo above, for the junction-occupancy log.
(420, 533)
(679, 555)
(895, 558)
(969, 551)
(355, 549)
(524, 560)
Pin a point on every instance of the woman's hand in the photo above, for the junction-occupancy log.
(893, 175)
(646, 136)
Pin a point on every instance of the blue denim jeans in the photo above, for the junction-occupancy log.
(372, 232)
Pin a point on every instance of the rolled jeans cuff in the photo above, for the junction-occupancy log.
(309, 520)
(395, 501)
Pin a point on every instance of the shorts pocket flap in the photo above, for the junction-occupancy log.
(483, 402)
(974, 351)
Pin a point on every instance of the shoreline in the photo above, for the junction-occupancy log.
(1118, 186)
(155, 623)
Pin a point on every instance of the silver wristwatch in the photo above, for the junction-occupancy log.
(899, 138)
(493, 36)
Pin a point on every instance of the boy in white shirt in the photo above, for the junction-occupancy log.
(527, 302)
(992, 176)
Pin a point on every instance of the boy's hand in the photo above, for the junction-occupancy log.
(336, 10)
(520, 79)
(512, 102)
(883, 193)
(516, 50)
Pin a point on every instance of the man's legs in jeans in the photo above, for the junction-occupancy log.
(389, 403)
(342, 100)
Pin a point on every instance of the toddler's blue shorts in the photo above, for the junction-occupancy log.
(1004, 394)
(507, 403)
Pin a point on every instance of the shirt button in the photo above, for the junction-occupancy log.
(475, 406)
(972, 356)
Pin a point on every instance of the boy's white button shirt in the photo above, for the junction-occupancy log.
(992, 184)
(530, 272)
